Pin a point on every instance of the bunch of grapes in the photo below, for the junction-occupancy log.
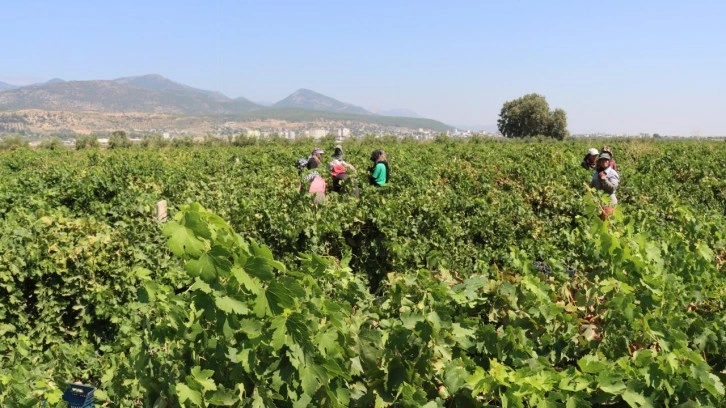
(542, 267)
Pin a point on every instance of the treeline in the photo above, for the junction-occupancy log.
(121, 140)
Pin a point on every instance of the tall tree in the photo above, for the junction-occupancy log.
(87, 142)
(530, 116)
(118, 140)
(558, 125)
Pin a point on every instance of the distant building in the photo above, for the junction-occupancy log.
(317, 133)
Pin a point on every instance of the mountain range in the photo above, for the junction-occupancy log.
(5, 86)
(155, 94)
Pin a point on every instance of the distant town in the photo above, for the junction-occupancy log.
(339, 134)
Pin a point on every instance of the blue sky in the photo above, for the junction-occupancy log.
(615, 66)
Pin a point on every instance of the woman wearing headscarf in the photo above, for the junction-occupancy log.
(339, 168)
(312, 178)
(380, 172)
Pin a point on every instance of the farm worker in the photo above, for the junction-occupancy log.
(380, 172)
(316, 155)
(313, 179)
(608, 149)
(339, 168)
(590, 159)
(302, 164)
(606, 179)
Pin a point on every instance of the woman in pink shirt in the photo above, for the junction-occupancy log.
(312, 179)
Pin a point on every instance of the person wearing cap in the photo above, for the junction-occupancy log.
(380, 172)
(590, 159)
(605, 178)
(339, 168)
(609, 150)
(316, 156)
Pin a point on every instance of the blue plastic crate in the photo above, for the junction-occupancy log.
(79, 396)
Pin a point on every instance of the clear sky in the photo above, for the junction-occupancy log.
(613, 66)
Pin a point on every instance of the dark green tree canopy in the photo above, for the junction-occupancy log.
(87, 142)
(529, 116)
(119, 140)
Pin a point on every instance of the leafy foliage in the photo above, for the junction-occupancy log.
(482, 279)
(87, 142)
(530, 116)
(12, 142)
(119, 140)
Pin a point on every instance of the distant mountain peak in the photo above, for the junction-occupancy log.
(151, 81)
(158, 82)
(307, 92)
(308, 99)
(153, 76)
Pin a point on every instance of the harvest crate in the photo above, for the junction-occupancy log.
(79, 396)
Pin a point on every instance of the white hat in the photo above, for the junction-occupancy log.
(592, 151)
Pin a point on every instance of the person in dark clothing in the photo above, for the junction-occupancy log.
(339, 168)
(302, 164)
(590, 160)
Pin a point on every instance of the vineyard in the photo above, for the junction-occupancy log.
(480, 276)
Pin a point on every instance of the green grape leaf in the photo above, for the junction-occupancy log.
(230, 305)
(182, 241)
(187, 394)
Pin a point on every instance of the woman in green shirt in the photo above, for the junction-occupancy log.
(380, 172)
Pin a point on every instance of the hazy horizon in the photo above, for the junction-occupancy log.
(619, 67)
